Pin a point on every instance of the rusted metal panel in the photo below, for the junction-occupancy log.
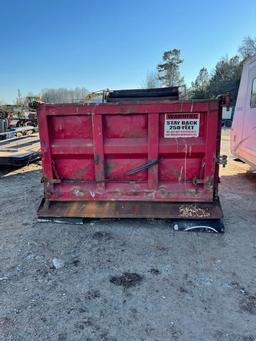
(130, 209)
(154, 152)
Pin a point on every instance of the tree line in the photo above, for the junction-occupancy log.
(224, 78)
(52, 95)
(63, 95)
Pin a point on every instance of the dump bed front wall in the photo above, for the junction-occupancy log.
(120, 152)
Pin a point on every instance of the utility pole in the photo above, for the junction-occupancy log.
(19, 97)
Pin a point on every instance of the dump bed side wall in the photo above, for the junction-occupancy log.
(129, 151)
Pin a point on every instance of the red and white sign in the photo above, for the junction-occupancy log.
(181, 125)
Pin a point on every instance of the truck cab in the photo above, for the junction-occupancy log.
(243, 130)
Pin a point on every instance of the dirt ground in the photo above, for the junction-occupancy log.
(127, 279)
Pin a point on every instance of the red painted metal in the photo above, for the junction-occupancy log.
(92, 152)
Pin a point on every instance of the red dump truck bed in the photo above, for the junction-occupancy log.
(131, 159)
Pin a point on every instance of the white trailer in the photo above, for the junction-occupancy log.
(243, 130)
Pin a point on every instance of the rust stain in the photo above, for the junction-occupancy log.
(82, 171)
(96, 159)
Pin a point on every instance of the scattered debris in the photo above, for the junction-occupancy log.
(58, 263)
(237, 286)
(127, 280)
(188, 211)
(249, 305)
(92, 294)
(182, 290)
(154, 271)
(102, 236)
(75, 262)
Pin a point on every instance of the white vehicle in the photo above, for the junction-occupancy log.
(243, 131)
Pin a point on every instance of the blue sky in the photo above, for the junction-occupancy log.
(112, 44)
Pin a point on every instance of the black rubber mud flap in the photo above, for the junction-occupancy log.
(210, 225)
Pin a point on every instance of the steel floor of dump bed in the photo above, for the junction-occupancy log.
(19, 151)
(184, 216)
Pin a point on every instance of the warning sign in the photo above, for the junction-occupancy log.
(181, 125)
